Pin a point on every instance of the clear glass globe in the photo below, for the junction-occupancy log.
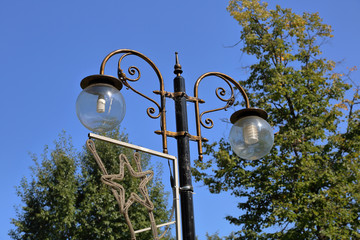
(251, 137)
(100, 107)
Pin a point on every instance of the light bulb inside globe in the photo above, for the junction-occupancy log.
(100, 106)
(251, 134)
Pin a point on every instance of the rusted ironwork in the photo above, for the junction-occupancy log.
(220, 92)
(160, 109)
(132, 70)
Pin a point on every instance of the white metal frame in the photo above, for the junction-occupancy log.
(176, 178)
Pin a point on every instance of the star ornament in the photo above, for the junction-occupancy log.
(119, 191)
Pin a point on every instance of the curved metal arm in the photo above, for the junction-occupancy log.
(125, 80)
(220, 93)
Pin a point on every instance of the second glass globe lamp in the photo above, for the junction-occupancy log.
(251, 136)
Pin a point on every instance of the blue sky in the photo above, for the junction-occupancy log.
(47, 47)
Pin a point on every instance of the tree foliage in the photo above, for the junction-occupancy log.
(216, 236)
(308, 186)
(65, 198)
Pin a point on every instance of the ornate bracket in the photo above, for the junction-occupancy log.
(220, 93)
(132, 70)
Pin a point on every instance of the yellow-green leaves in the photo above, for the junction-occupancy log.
(308, 187)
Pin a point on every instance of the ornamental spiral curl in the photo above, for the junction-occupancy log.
(208, 121)
(132, 71)
(150, 111)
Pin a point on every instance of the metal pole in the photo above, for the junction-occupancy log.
(186, 188)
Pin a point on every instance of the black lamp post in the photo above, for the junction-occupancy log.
(101, 107)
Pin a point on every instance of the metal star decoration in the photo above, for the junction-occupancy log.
(113, 182)
(118, 190)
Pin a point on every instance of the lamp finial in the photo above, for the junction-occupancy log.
(177, 66)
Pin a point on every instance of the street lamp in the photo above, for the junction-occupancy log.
(100, 107)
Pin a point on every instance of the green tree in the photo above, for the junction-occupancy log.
(216, 236)
(308, 186)
(65, 198)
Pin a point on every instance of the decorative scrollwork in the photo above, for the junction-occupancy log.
(152, 112)
(223, 93)
(208, 121)
(220, 92)
(132, 71)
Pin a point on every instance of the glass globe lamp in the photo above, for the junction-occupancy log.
(251, 136)
(100, 107)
